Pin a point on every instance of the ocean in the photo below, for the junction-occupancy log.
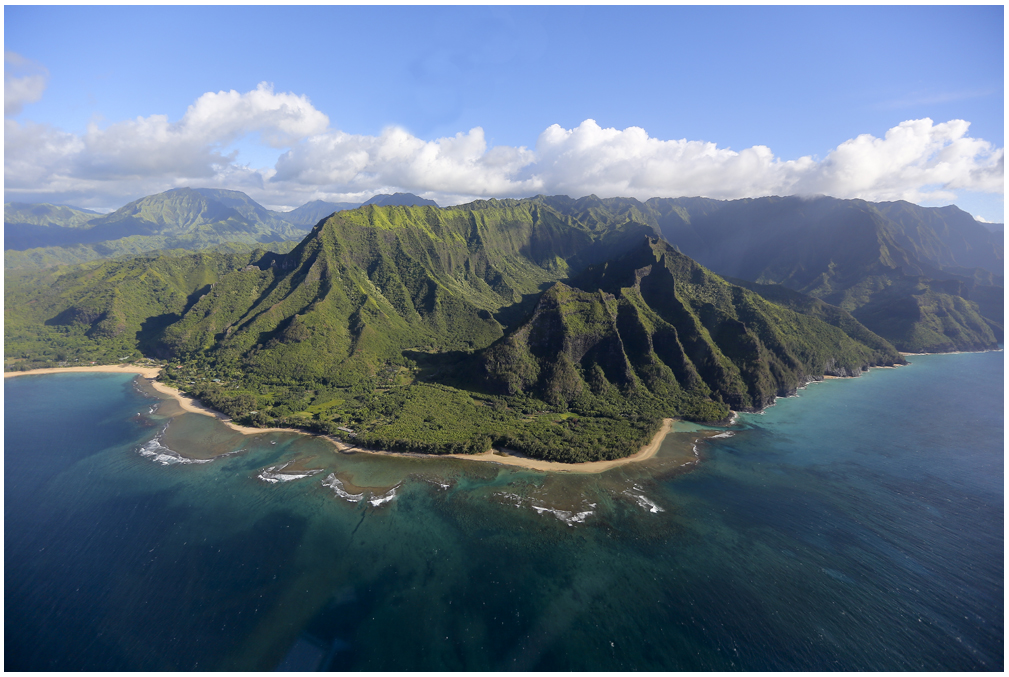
(856, 526)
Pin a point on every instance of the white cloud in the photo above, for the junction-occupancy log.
(353, 163)
(24, 82)
(194, 146)
(917, 160)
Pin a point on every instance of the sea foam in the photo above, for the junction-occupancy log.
(159, 453)
(569, 517)
(639, 497)
(156, 451)
(275, 474)
(336, 485)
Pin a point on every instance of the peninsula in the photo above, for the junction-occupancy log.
(565, 330)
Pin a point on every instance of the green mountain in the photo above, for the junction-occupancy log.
(311, 213)
(557, 327)
(104, 310)
(184, 218)
(654, 322)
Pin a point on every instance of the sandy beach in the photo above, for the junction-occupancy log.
(505, 458)
(194, 406)
(146, 372)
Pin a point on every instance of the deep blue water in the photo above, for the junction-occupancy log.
(857, 526)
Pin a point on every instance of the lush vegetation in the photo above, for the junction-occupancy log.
(562, 329)
(42, 235)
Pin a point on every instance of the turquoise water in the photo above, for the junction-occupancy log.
(856, 526)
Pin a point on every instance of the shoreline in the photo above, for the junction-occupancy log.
(146, 372)
(502, 457)
(193, 406)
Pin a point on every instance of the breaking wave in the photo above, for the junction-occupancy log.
(274, 474)
(569, 517)
(159, 453)
(384, 498)
(639, 497)
(336, 485)
(156, 451)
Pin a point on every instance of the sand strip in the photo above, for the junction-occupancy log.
(194, 406)
(506, 458)
(146, 372)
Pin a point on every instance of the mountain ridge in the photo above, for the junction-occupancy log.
(375, 320)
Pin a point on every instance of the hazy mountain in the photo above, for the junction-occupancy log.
(183, 218)
(924, 279)
(993, 227)
(34, 225)
(47, 215)
(311, 213)
(400, 200)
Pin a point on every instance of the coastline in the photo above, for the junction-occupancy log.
(504, 458)
(193, 406)
(146, 372)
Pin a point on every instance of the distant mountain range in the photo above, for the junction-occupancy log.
(186, 218)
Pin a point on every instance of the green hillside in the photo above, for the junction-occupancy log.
(416, 328)
(183, 218)
(105, 310)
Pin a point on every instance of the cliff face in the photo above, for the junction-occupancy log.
(366, 285)
(655, 322)
(923, 279)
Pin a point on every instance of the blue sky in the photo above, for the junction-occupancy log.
(725, 102)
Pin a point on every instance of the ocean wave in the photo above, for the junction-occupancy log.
(569, 517)
(726, 434)
(156, 451)
(638, 496)
(274, 474)
(384, 498)
(336, 485)
(159, 453)
(440, 482)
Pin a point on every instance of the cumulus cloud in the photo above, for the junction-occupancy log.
(193, 146)
(153, 152)
(460, 164)
(917, 160)
(24, 82)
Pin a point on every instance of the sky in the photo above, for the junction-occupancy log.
(104, 105)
